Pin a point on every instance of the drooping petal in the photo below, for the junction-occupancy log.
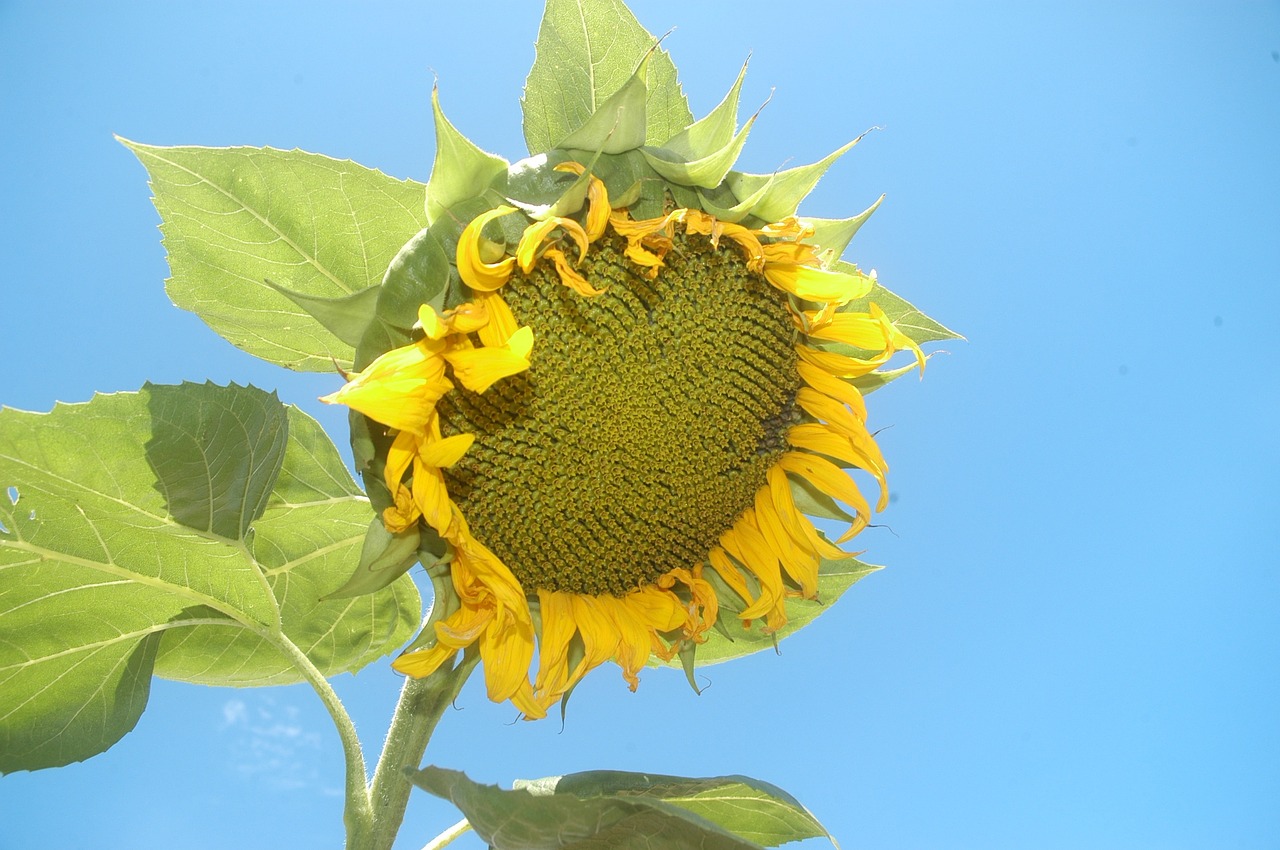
(829, 385)
(399, 389)
(830, 479)
(569, 276)
(502, 324)
(446, 452)
(598, 209)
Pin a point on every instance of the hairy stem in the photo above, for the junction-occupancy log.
(422, 702)
(357, 813)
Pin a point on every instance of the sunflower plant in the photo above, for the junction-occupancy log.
(607, 396)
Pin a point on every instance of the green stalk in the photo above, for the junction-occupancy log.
(422, 702)
(356, 814)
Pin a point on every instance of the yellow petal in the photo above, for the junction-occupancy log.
(477, 369)
(468, 317)
(474, 271)
(865, 454)
(832, 480)
(796, 523)
(719, 560)
(816, 284)
(502, 323)
(445, 453)
(861, 330)
(829, 385)
(399, 389)
(597, 201)
(800, 564)
(569, 276)
(558, 629)
(838, 364)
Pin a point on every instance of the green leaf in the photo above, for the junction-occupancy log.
(101, 586)
(232, 218)
(586, 51)
(755, 810)
(461, 170)
(216, 454)
(731, 640)
(614, 810)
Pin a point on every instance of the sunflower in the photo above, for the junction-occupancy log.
(619, 409)
(677, 392)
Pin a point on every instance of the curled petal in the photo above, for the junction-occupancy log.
(502, 324)
(536, 234)
(474, 271)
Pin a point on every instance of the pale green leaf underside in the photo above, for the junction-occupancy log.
(233, 218)
(100, 586)
(624, 811)
(755, 810)
(586, 51)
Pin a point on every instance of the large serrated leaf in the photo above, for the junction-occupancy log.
(586, 51)
(100, 585)
(215, 454)
(234, 218)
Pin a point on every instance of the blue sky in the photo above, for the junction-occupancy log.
(1075, 643)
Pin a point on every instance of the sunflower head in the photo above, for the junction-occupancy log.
(610, 384)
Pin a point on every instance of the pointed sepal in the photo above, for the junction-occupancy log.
(461, 170)
(783, 190)
(384, 557)
(833, 235)
(707, 172)
(619, 124)
(712, 132)
(345, 317)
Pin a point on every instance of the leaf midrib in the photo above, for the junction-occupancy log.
(313, 261)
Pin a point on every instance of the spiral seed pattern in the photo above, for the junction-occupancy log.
(644, 427)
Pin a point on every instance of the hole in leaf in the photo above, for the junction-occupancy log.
(13, 495)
